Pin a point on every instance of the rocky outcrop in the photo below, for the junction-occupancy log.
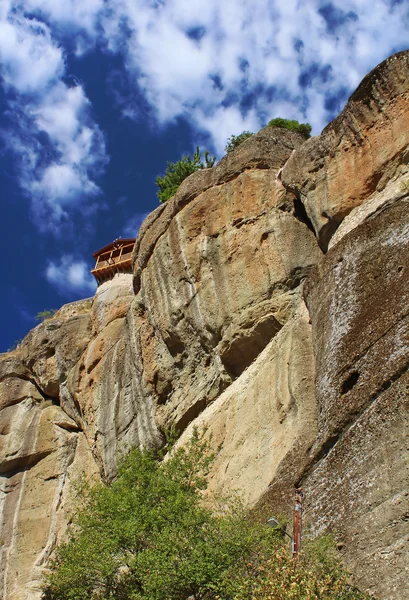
(122, 366)
(356, 472)
(358, 153)
(42, 447)
(106, 384)
(266, 415)
(357, 484)
(67, 410)
(214, 274)
(268, 303)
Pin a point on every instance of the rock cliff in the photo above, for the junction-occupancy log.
(269, 302)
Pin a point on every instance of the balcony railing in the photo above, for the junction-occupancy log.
(113, 261)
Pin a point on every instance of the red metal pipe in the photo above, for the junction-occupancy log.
(299, 496)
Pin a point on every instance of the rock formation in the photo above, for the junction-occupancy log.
(269, 303)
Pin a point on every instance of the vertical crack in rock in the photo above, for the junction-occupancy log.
(52, 536)
(13, 537)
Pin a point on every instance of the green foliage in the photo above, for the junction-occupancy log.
(235, 140)
(45, 314)
(272, 574)
(178, 171)
(304, 128)
(150, 536)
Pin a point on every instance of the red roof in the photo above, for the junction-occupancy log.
(115, 244)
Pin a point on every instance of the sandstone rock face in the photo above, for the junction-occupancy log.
(358, 153)
(67, 408)
(106, 384)
(42, 449)
(296, 361)
(107, 374)
(214, 276)
(358, 301)
(267, 414)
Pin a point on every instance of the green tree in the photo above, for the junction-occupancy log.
(292, 125)
(235, 140)
(150, 536)
(178, 171)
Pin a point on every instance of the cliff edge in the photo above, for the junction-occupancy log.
(269, 303)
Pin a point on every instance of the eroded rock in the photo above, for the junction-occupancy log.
(358, 153)
(357, 484)
(212, 330)
(266, 415)
(214, 284)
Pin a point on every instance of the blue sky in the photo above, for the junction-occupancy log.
(96, 96)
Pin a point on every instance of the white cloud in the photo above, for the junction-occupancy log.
(71, 16)
(58, 113)
(70, 277)
(59, 147)
(30, 59)
(63, 182)
(226, 122)
(224, 66)
(265, 49)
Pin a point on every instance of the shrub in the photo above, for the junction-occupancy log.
(236, 140)
(150, 536)
(275, 574)
(14, 345)
(178, 171)
(45, 314)
(292, 125)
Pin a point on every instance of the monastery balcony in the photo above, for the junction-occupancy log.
(112, 259)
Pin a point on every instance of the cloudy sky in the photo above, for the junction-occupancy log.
(96, 96)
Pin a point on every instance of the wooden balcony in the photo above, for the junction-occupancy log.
(112, 259)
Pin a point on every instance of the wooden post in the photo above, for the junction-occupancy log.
(299, 496)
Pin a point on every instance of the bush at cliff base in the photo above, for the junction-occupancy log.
(149, 535)
(272, 574)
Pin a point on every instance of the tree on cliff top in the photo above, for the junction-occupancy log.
(178, 171)
(235, 140)
(292, 125)
(149, 536)
(45, 314)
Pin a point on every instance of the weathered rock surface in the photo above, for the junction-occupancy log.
(213, 277)
(42, 452)
(106, 384)
(357, 153)
(266, 414)
(295, 361)
(358, 300)
(107, 374)
(67, 408)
